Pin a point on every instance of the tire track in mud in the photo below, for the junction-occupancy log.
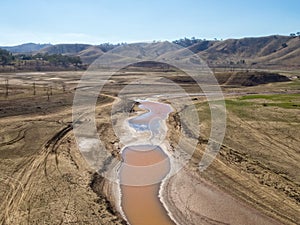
(267, 140)
(51, 146)
(233, 164)
(271, 139)
(261, 172)
(12, 183)
(31, 167)
(31, 170)
(19, 137)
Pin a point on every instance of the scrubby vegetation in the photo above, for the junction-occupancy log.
(249, 78)
(5, 57)
(38, 62)
(186, 42)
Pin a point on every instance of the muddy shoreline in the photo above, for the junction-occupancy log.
(176, 201)
(257, 164)
(108, 190)
(111, 190)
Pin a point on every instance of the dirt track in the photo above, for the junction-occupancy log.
(44, 178)
(257, 163)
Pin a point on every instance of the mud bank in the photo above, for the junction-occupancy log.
(188, 197)
(110, 191)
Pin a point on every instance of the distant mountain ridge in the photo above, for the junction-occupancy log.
(268, 51)
(25, 48)
(64, 49)
(271, 51)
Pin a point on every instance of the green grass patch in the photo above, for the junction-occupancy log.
(274, 97)
(244, 107)
(286, 101)
(203, 110)
(286, 105)
(241, 108)
(237, 103)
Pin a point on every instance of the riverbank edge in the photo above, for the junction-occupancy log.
(111, 190)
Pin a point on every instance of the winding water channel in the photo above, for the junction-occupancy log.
(145, 166)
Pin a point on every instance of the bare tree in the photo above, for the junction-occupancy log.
(33, 86)
(63, 87)
(6, 87)
(48, 93)
(45, 87)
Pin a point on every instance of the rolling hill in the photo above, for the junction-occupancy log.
(271, 51)
(65, 49)
(274, 51)
(26, 48)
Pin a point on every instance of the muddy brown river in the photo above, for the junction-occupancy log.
(144, 168)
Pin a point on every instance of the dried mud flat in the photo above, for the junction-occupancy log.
(45, 180)
(258, 163)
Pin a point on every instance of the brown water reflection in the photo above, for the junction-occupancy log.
(148, 165)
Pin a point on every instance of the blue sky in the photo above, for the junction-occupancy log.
(98, 21)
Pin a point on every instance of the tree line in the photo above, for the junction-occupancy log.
(8, 59)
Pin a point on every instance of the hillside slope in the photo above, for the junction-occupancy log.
(26, 48)
(271, 51)
(274, 51)
(65, 49)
